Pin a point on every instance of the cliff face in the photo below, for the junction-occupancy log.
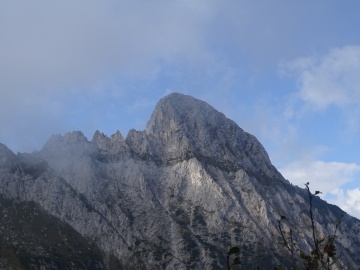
(175, 196)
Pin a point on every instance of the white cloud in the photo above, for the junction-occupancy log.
(326, 177)
(329, 80)
(330, 178)
(348, 200)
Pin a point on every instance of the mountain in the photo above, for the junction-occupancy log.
(177, 195)
(33, 239)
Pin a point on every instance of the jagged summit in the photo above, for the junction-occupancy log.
(114, 145)
(5, 151)
(182, 127)
(70, 138)
(175, 196)
(178, 111)
(6, 155)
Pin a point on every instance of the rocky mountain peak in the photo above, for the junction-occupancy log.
(113, 145)
(98, 137)
(6, 155)
(175, 196)
(177, 111)
(71, 138)
(62, 151)
(182, 127)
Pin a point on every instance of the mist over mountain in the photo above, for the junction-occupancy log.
(177, 195)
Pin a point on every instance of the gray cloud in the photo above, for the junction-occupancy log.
(69, 44)
(51, 45)
(53, 52)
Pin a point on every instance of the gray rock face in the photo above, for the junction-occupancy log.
(175, 196)
(7, 158)
(114, 147)
(182, 127)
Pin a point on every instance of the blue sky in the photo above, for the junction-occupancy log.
(286, 71)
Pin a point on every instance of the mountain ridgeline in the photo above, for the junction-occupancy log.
(175, 196)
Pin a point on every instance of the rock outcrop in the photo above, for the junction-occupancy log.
(175, 196)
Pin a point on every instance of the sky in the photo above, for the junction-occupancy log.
(287, 72)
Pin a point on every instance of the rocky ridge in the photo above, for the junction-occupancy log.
(175, 196)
